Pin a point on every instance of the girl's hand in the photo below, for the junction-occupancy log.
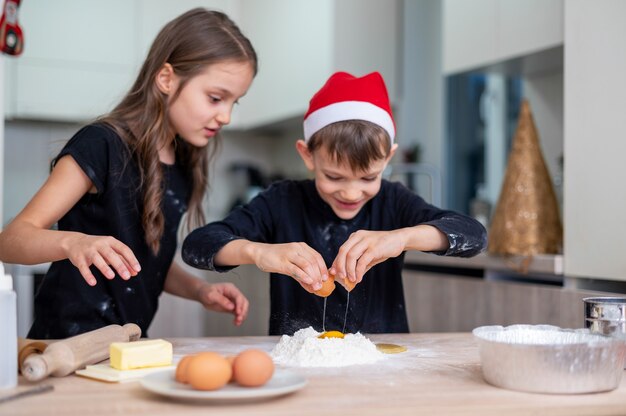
(297, 260)
(106, 253)
(224, 297)
(365, 249)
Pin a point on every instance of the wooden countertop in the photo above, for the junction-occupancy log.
(440, 373)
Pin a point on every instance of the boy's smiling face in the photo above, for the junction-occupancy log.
(338, 185)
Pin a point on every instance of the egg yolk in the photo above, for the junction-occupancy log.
(331, 334)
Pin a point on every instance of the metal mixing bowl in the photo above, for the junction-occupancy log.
(548, 359)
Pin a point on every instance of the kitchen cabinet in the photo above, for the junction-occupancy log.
(294, 44)
(489, 290)
(595, 86)
(80, 57)
(154, 14)
(483, 32)
(580, 100)
(300, 44)
(476, 301)
(469, 34)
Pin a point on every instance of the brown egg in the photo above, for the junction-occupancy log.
(327, 287)
(253, 368)
(181, 369)
(346, 283)
(208, 371)
(231, 361)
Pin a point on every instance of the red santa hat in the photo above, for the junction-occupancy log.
(346, 97)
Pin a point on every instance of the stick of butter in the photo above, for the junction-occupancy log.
(140, 354)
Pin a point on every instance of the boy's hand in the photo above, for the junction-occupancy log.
(297, 260)
(365, 249)
(224, 297)
(106, 253)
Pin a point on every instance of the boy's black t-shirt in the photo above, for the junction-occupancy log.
(293, 211)
(65, 305)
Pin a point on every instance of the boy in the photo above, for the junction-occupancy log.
(347, 218)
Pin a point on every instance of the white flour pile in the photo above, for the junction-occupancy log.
(305, 349)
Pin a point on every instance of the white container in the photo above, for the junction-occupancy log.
(8, 332)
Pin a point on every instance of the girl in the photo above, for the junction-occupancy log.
(120, 186)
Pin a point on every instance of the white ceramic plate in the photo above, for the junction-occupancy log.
(282, 382)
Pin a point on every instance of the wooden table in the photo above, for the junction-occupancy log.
(439, 374)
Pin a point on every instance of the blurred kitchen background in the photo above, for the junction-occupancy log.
(456, 70)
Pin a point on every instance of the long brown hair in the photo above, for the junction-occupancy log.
(189, 43)
(356, 143)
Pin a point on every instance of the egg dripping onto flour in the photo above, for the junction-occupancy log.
(327, 289)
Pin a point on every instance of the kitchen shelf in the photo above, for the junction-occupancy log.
(539, 264)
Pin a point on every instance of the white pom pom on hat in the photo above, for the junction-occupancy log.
(346, 97)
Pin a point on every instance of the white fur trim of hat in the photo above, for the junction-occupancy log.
(346, 97)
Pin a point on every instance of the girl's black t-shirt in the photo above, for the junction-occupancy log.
(65, 305)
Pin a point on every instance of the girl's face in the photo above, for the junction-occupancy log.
(344, 190)
(206, 102)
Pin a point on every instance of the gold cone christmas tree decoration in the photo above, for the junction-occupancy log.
(526, 220)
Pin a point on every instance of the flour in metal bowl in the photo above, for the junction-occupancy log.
(305, 349)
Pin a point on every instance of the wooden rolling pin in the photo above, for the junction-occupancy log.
(26, 347)
(63, 357)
